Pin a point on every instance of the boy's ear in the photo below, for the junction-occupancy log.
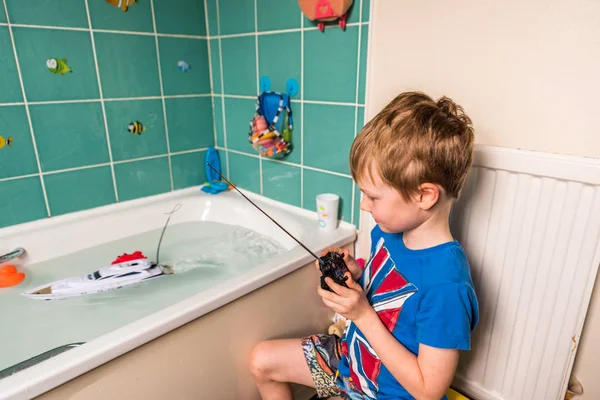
(428, 195)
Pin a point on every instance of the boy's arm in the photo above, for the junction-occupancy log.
(427, 376)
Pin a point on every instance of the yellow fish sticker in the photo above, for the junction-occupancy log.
(122, 4)
(136, 128)
(58, 66)
(4, 142)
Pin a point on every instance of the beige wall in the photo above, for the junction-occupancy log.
(527, 72)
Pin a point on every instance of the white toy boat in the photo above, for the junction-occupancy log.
(127, 269)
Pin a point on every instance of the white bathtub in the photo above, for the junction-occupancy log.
(61, 236)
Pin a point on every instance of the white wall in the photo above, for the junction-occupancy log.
(526, 72)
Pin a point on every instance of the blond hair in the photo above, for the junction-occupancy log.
(414, 140)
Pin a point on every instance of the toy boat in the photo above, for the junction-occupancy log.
(127, 269)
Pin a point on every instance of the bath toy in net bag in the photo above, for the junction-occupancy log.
(271, 128)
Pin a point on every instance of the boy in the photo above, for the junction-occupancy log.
(413, 307)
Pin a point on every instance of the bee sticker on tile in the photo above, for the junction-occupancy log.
(183, 66)
(58, 66)
(5, 142)
(136, 128)
(122, 4)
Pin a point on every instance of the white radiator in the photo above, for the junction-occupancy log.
(530, 224)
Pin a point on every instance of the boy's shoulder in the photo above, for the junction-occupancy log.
(446, 263)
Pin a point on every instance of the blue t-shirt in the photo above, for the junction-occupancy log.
(422, 296)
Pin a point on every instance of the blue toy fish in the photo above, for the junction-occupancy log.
(183, 66)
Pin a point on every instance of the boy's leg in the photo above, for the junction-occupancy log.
(274, 363)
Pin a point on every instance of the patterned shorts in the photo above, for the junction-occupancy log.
(323, 353)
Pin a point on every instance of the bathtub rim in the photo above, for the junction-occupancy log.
(63, 367)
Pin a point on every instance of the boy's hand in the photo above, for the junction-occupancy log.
(350, 302)
(355, 269)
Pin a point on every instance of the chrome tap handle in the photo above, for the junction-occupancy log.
(18, 252)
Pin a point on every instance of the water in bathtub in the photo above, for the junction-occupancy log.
(202, 255)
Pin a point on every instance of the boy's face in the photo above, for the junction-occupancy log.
(388, 208)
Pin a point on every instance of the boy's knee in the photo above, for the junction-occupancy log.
(259, 361)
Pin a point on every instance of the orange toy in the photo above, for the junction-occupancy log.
(10, 277)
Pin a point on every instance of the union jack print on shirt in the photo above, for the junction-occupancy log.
(387, 290)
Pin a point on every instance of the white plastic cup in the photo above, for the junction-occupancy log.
(327, 211)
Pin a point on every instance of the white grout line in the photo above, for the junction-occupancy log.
(273, 32)
(329, 103)
(210, 73)
(301, 110)
(222, 90)
(356, 101)
(12, 178)
(58, 171)
(162, 94)
(77, 29)
(35, 150)
(101, 92)
(175, 96)
(290, 163)
(260, 158)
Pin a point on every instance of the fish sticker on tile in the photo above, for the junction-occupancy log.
(5, 142)
(58, 66)
(136, 128)
(183, 66)
(122, 4)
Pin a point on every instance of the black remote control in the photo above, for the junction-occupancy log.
(333, 266)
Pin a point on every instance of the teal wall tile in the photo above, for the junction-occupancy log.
(211, 10)
(282, 182)
(218, 119)
(316, 182)
(364, 38)
(239, 65)
(126, 145)
(360, 119)
(10, 89)
(330, 65)
(128, 66)
(190, 123)
(280, 69)
(69, 13)
(244, 172)
(138, 17)
(194, 52)
(188, 169)
(236, 16)
(69, 135)
(357, 197)
(366, 10)
(18, 158)
(23, 201)
(238, 114)
(79, 190)
(278, 14)
(183, 17)
(328, 136)
(36, 46)
(142, 178)
(215, 61)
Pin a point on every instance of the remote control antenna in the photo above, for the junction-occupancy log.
(251, 202)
